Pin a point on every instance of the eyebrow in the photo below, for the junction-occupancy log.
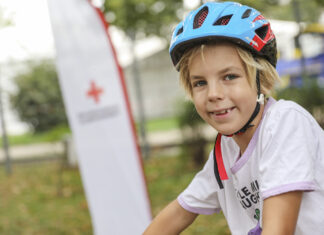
(230, 68)
(225, 70)
(195, 77)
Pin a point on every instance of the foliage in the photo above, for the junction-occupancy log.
(38, 100)
(191, 125)
(45, 198)
(310, 96)
(167, 177)
(42, 199)
(309, 10)
(150, 17)
(57, 133)
(4, 20)
(155, 17)
(261, 5)
(54, 135)
(161, 124)
(188, 117)
(320, 2)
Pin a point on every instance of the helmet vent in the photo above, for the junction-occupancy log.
(247, 13)
(262, 32)
(200, 17)
(223, 20)
(180, 31)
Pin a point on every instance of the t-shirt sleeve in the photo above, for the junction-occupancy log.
(287, 161)
(200, 196)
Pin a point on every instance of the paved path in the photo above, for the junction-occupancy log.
(33, 151)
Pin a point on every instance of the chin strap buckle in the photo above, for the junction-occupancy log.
(260, 99)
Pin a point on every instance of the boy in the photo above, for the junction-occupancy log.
(266, 171)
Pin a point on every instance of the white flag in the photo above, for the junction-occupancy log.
(99, 115)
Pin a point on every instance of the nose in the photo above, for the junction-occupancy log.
(215, 92)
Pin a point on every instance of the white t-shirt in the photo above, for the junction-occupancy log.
(286, 153)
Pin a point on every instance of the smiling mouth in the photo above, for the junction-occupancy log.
(222, 112)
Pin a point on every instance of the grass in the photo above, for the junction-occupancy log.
(164, 124)
(56, 134)
(59, 133)
(169, 176)
(42, 199)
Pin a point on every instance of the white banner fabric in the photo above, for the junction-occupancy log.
(99, 115)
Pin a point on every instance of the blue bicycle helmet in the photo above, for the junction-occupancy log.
(228, 21)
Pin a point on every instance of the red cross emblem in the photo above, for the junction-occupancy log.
(94, 92)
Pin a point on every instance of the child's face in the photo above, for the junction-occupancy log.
(220, 88)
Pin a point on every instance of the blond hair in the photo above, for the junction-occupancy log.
(268, 74)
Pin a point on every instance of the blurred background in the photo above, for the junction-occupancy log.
(41, 190)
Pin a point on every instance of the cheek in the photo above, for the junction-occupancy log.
(245, 92)
(199, 105)
(202, 113)
(248, 101)
(196, 98)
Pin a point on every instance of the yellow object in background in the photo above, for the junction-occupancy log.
(298, 53)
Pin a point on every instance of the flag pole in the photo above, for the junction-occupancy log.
(5, 142)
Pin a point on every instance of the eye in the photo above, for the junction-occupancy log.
(230, 77)
(199, 83)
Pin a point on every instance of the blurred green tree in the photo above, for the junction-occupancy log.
(320, 2)
(310, 10)
(310, 96)
(38, 99)
(4, 19)
(145, 17)
(192, 125)
(151, 17)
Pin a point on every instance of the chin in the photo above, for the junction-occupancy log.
(225, 131)
(228, 129)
